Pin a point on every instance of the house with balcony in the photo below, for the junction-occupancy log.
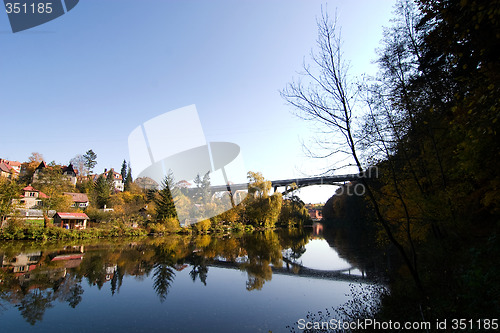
(31, 198)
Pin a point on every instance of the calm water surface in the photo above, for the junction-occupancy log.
(250, 283)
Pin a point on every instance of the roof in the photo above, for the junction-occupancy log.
(68, 169)
(77, 216)
(78, 197)
(71, 256)
(30, 188)
(10, 163)
(183, 183)
(4, 167)
(116, 175)
(41, 166)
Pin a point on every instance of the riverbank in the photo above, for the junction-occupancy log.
(38, 233)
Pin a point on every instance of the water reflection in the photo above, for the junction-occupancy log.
(35, 278)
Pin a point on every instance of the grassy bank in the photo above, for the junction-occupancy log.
(39, 233)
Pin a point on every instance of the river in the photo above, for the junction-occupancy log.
(257, 282)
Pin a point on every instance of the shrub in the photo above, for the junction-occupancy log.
(202, 226)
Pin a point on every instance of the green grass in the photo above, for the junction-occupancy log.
(34, 222)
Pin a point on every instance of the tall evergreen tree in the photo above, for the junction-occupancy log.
(128, 179)
(102, 191)
(123, 171)
(165, 207)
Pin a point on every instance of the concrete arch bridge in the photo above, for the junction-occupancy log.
(233, 189)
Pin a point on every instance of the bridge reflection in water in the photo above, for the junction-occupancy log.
(38, 276)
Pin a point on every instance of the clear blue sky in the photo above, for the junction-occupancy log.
(87, 79)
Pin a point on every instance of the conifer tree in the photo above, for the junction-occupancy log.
(165, 207)
(123, 171)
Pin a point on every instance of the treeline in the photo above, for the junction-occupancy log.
(151, 210)
(429, 121)
(258, 209)
(432, 128)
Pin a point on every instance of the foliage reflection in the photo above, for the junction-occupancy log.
(33, 277)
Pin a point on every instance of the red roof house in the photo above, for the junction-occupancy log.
(71, 220)
(32, 198)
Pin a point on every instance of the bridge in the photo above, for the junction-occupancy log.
(297, 270)
(299, 182)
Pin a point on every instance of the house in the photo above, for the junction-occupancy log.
(70, 256)
(39, 169)
(22, 263)
(117, 180)
(13, 164)
(80, 200)
(68, 172)
(118, 184)
(7, 170)
(32, 198)
(71, 220)
(315, 213)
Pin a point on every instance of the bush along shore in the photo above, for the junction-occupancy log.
(39, 233)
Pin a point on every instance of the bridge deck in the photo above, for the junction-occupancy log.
(300, 182)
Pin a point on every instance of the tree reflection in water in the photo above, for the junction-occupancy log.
(164, 274)
(199, 268)
(34, 276)
(34, 304)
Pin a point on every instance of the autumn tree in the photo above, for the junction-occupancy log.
(460, 47)
(258, 186)
(78, 163)
(330, 98)
(260, 208)
(53, 183)
(28, 168)
(9, 190)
